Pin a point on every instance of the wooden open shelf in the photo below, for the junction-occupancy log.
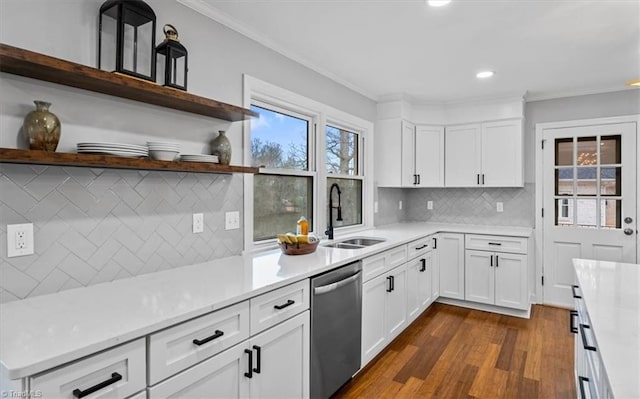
(10, 155)
(34, 65)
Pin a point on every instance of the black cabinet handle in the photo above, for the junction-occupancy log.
(572, 326)
(478, 178)
(415, 179)
(421, 247)
(418, 179)
(249, 373)
(424, 265)
(115, 377)
(584, 338)
(495, 243)
(435, 243)
(582, 379)
(573, 290)
(257, 369)
(217, 334)
(497, 264)
(289, 303)
(389, 289)
(491, 261)
(393, 283)
(483, 178)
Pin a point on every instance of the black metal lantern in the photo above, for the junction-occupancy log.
(127, 38)
(172, 59)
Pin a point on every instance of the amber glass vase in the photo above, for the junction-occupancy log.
(41, 128)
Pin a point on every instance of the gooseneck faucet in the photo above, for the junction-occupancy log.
(329, 231)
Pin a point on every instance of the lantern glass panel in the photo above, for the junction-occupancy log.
(138, 43)
(178, 68)
(108, 39)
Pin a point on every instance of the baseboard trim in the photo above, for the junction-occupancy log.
(524, 314)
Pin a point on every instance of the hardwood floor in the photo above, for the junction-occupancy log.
(453, 352)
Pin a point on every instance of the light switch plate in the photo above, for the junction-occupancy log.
(232, 220)
(430, 205)
(19, 239)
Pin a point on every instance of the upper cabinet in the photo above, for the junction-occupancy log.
(409, 155)
(486, 154)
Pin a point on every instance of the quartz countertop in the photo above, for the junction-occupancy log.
(42, 332)
(611, 294)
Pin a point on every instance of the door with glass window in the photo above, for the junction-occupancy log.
(589, 201)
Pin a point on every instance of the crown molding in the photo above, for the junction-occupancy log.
(575, 93)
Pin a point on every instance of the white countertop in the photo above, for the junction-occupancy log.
(611, 294)
(46, 331)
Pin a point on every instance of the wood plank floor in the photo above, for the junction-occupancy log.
(453, 352)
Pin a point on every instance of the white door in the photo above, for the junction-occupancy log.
(409, 178)
(462, 156)
(429, 155)
(281, 369)
(479, 276)
(502, 153)
(589, 198)
(396, 304)
(374, 332)
(511, 289)
(451, 256)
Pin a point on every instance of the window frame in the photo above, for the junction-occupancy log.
(260, 92)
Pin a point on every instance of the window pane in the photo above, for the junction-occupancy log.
(586, 184)
(611, 214)
(587, 151)
(342, 151)
(610, 181)
(564, 151)
(278, 203)
(610, 152)
(350, 201)
(564, 212)
(564, 181)
(586, 213)
(279, 140)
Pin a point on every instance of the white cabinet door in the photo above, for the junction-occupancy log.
(502, 152)
(222, 376)
(511, 280)
(281, 360)
(408, 155)
(462, 156)
(396, 302)
(388, 152)
(435, 269)
(374, 332)
(418, 285)
(479, 284)
(451, 255)
(429, 156)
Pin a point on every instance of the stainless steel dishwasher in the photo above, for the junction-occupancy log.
(336, 324)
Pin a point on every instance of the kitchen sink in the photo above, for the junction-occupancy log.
(355, 243)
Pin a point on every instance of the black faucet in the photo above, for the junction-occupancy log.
(329, 231)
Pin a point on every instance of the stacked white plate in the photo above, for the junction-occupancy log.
(199, 158)
(117, 149)
(163, 151)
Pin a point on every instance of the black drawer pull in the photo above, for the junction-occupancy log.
(424, 265)
(497, 261)
(573, 290)
(483, 178)
(422, 247)
(257, 369)
(495, 243)
(478, 178)
(393, 283)
(249, 374)
(435, 243)
(584, 338)
(115, 377)
(389, 289)
(289, 303)
(582, 379)
(491, 260)
(217, 334)
(572, 326)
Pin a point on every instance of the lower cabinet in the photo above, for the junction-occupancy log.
(419, 285)
(450, 249)
(384, 310)
(272, 364)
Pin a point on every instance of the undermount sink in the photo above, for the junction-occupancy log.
(355, 243)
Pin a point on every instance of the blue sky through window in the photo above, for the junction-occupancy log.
(278, 128)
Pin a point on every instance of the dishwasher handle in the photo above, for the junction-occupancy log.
(323, 289)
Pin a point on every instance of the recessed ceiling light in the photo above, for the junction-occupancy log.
(635, 83)
(438, 3)
(485, 74)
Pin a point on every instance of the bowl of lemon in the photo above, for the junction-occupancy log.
(292, 244)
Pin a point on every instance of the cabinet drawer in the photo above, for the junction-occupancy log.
(517, 245)
(377, 264)
(273, 307)
(116, 373)
(419, 247)
(186, 344)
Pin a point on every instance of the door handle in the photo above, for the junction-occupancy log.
(115, 377)
(497, 261)
(288, 303)
(435, 243)
(483, 178)
(415, 179)
(628, 231)
(418, 179)
(389, 289)
(585, 345)
(573, 291)
(491, 260)
(249, 373)
(258, 350)
(572, 325)
(393, 283)
(424, 264)
(478, 178)
(217, 334)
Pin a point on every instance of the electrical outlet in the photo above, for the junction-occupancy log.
(19, 239)
(232, 220)
(198, 223)
(375, 207)
(430, 205)
(499, 207)
(400, 205)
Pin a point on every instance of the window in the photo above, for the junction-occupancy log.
(343, 165)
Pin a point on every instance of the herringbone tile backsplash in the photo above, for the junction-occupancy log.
(99, 225)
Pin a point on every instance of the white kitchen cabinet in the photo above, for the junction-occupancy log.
(450, 249)
(435, 268)
(486, 154)
(479, 277)
(273, 364)
(384, 310)
(408, 155)
(419, 285)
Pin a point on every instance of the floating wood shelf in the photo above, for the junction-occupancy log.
(10, 155)
(34, 65)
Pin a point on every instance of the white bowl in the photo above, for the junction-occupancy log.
(163, 155)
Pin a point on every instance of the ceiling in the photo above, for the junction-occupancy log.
(390, 48)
